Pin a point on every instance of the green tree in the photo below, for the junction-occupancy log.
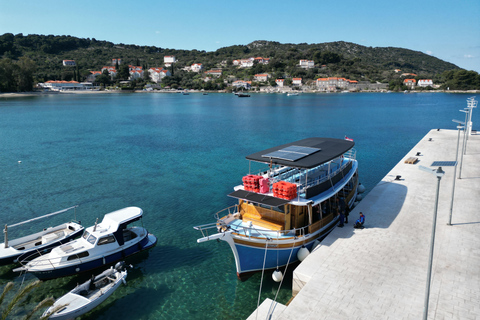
(24, 75)
(123, 73)
(7, 80)
(104, 78)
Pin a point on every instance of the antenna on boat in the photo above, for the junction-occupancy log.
(6, 236)
(95, 228)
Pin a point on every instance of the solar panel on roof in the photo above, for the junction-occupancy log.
(292, 153)
(443, 164)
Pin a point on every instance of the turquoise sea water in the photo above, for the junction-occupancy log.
(176, 157)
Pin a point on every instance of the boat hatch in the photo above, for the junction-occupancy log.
(258, 198)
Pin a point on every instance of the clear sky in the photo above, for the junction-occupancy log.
(449, 30)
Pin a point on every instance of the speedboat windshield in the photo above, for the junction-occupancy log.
(89, 237)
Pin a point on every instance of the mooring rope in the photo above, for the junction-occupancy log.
(261, 281)
(280, 285)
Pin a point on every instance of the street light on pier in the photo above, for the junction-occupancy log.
(461, 126)
(439, 174)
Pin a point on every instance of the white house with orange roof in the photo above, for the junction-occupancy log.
(246, 63)
(115, 61)
(244, 84)
(214, 72)
(169, 60)
(425, 83)
(307, 64)
(279, 82)
(93, 75)
(111, 71)
(196, 67)
(136, 72)
(410, 83)
(261, 77)
(297, 81)
(157, 74)
(262, 60)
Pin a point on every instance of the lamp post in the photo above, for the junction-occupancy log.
(463, 143)
(455, 170)
(439, 174)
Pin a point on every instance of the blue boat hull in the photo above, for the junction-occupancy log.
(251, 259)
(146, 243)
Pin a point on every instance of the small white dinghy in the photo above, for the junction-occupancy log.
(88, 295)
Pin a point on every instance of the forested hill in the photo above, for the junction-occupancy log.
(44, 54)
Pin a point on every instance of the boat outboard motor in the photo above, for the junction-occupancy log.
(91, 286)
(120, 266)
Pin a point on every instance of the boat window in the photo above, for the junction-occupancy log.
(92, 239)
(78, 256)
(105, 240)
(85, 235)
(128, 235)
(280, 209)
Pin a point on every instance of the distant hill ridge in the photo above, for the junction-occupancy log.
(342, 59)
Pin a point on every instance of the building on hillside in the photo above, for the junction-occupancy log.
(136, 72)
(93, 75)
(279, 82)
(169, 60)
(115, 61)
(307, 64)
(242, 84)
(214, 72)
(111, 71)
(397, 70)
(69, 63)
(297, 82)
(196, 67)
(425, 83)
(410, 83)
(157, 74)
(246, 63)
(408, 74)
(262, 77)
(262, 60)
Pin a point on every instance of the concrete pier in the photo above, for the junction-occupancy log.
(380, 272)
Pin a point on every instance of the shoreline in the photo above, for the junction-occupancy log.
(36, 94)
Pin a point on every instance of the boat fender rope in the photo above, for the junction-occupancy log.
(261, 281)
(269, 315)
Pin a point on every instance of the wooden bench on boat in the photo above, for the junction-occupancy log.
(411, 160)
(260, 221)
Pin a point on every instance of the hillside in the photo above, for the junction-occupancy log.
(340, 59)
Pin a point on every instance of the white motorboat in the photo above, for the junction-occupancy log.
(28, 247)
(112, 240)
(85, 297)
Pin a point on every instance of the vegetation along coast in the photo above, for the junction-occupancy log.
(50, 63)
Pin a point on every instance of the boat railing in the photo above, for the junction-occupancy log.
(227, 215)
(251, 231)
(222, 217)
(51, 262)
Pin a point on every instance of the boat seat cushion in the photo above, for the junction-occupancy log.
(260, 221)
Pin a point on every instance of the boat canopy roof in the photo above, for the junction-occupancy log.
(306, 153)
(119, 219)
